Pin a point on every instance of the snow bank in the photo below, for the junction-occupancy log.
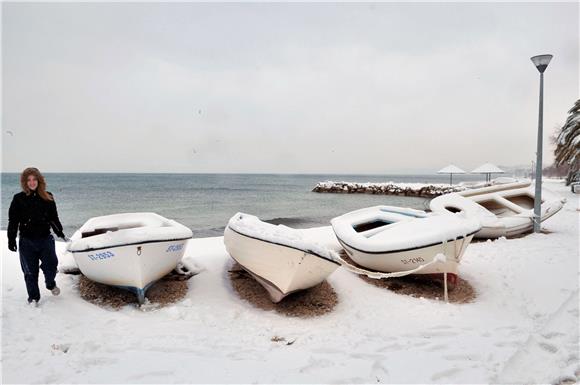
(522, 328)
(127, 228)
(252, 226)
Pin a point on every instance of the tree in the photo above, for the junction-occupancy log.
(568, 144)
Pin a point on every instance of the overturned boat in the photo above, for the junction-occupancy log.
(131, 250)
(504, 210)
(278, 257)
(395, 239)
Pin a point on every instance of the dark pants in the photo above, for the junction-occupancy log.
(35, 253)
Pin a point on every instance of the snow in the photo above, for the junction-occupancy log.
(523, 326)
(451, 169)
(487, 168)
(410, 228)
(504, 180)
(252, 226)
(132, 228)
(571, 125)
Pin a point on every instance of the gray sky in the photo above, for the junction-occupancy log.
(291, 88)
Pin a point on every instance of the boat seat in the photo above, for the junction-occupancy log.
(98, 231)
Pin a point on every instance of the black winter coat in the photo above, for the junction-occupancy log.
(33, 215)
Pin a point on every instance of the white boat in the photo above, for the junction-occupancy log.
(395, 239)
(131, 250)
(504, 210)
(278, 257)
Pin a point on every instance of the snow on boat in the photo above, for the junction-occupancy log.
(395, 239)
(278, 257)
(504, 210)
(131, 250)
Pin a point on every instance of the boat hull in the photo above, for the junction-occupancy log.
(504, 210)
(394, 261)
(280, 269)
(134, 267)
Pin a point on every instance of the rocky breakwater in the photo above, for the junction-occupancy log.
(390, 188)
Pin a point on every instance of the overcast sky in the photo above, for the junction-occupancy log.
(290, 88)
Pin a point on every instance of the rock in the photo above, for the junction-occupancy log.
(426, 190)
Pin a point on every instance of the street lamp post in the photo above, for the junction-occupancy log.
(541, 62)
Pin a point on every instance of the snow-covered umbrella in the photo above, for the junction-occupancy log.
(488, 169)
(451, 169)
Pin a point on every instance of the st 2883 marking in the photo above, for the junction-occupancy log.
(103, 255)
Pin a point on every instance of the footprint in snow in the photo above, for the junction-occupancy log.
(439, 334)
(245, 355)
(366, 356)
(551, 335)
(445, 373)
(379, 371)
(145, 376)
(436, 347)
(508, 344)
(315, 364)
(462, 357)
(327, 351)
(389, 347)
(421, 344)
(437, 327)
(548, 347)
(511, 327)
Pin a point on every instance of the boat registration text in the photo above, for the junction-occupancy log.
(412, 260)
(103, 255)
(174, 248)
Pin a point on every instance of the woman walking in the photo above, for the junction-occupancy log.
(33, 212)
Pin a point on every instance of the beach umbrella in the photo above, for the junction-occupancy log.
(488, 169)
(451, 169)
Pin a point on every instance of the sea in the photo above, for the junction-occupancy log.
(205, 202)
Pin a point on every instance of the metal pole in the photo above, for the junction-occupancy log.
(538, 195)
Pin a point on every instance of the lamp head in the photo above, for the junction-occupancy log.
(541, 62)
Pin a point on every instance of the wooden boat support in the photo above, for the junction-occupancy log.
(403, 189)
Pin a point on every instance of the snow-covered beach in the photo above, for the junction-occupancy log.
(522, 327)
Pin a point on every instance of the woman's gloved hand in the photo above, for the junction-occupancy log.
(12, 245)
(60, 234)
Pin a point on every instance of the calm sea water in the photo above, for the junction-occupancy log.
(205, 202)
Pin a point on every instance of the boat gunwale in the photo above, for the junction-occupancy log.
(403, 250)
(288, 246)
(501, 188)
(128, 244)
